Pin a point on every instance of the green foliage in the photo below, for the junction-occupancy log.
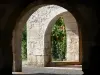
(24, 44)
(58, 36)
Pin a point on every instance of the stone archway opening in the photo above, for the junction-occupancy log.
(73, 47)
(39, 25)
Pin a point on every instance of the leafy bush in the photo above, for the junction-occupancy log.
(24, 44)
(58, 40)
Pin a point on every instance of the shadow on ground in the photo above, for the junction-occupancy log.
(46, 74)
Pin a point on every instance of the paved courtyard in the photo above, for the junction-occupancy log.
(51, 71)
(30, 70)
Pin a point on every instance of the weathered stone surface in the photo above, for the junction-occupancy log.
(39, 42)
(32, 60)
(72, 46)
(40, 59)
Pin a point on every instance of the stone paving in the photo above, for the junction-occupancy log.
(31, 70)
(50, 71)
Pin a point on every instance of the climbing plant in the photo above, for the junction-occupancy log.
(24, 43)
(58, 36)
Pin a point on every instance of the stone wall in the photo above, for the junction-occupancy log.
(38, 35)
(72, 54)
(38, 44)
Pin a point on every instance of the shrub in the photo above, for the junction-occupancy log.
(24, 44)
(58, 40)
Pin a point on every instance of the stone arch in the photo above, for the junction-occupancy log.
(17, 37)
(72, 29)
(38, 23)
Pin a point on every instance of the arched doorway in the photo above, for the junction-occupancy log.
(43, 52)
(74, 43)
